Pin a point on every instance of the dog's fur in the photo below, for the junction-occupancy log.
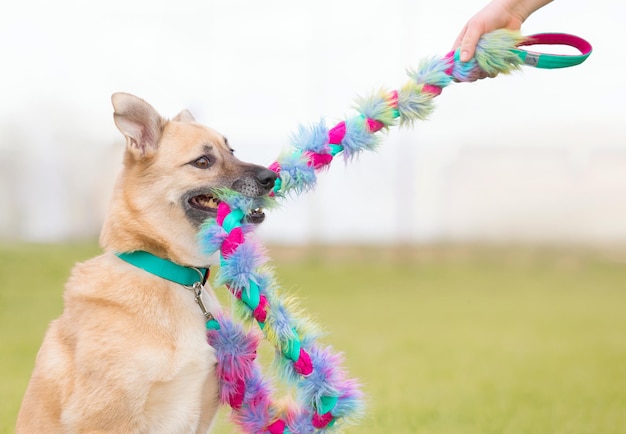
(129, 352)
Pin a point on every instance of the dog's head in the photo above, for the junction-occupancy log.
(166, 189)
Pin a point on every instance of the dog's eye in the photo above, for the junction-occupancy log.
(203, 162)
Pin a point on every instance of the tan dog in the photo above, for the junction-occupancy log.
(129, 353)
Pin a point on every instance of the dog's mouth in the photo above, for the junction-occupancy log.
(204, 202)
(207, 203)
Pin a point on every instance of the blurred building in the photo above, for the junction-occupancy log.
(408, 192)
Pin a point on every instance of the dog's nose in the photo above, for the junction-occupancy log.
(266, 177)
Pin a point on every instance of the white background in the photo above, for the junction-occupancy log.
(536, 156)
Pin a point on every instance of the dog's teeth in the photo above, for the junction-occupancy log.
(207, 201)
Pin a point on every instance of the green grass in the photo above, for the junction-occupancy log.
(445, 341)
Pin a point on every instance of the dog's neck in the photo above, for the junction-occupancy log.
(126, 230)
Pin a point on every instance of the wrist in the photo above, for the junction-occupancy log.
(522, 9)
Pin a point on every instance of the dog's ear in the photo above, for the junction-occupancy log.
(184, 116)
(139, 122)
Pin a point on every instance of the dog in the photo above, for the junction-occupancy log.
(129, 353)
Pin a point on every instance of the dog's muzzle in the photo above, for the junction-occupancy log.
(201, 204)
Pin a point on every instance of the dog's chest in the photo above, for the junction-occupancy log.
(177, 404)
(193, 357)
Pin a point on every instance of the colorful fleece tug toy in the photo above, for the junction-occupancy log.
(326, 398)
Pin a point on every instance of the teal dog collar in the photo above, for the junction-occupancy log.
(165, 268)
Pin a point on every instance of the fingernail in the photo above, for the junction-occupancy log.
(464, 56)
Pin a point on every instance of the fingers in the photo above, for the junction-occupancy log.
(468, 42)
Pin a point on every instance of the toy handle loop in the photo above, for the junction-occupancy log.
(553, 61)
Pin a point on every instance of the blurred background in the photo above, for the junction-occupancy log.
(472, 270)
(538, 156)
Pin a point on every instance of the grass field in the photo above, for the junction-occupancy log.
(445, 340)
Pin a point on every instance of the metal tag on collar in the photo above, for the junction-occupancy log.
(197, 290)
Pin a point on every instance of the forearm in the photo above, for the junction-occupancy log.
(522, 8)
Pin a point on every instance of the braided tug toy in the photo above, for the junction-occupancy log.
(325, 398)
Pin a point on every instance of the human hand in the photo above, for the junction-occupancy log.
(498, 14)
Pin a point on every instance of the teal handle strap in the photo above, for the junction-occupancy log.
(553, 61)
